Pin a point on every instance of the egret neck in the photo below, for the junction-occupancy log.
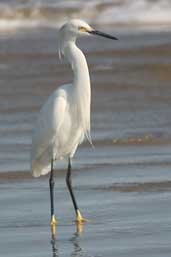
(81, 83)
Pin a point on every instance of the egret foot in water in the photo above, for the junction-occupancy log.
(53, 224)
(79, 217)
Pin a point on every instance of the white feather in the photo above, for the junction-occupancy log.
(64, 120)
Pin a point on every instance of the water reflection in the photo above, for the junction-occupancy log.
(77, 250)
(54, 247)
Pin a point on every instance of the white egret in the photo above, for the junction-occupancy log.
(64, 120)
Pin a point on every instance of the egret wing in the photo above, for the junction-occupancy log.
(48, 124)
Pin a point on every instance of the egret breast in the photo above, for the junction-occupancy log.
(70, 135)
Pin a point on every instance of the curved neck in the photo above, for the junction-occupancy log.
(81, 83)
(79, 64)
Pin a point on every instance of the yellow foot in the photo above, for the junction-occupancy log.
(79, 227)
(79, 217)
(53, 224)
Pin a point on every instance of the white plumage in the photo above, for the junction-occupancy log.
(64, 120)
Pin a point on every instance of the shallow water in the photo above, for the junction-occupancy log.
(123, 185)
(121, 222)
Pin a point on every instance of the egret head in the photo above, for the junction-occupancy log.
(75, 28)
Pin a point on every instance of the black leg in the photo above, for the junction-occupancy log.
(69, 185)
(51, 185)
(79, 217)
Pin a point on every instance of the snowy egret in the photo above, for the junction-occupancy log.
(64, 120)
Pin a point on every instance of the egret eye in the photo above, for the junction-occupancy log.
(82, 29)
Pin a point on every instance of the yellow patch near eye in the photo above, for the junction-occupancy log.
(82, 29)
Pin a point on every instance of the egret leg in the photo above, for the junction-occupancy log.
(79, 217)
(51, 185)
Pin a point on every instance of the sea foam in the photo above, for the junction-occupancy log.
(47, 13)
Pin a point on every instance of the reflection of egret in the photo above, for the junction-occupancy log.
(64, 120)
(54, 247)
(77, 252)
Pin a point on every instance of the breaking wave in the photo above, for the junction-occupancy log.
(52, 13)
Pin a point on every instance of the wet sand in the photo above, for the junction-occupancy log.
(123, 185)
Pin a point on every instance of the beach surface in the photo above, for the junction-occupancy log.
(123, 184)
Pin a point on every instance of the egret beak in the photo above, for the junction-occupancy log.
(99, 33)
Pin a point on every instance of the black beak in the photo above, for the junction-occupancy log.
(98, 33)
